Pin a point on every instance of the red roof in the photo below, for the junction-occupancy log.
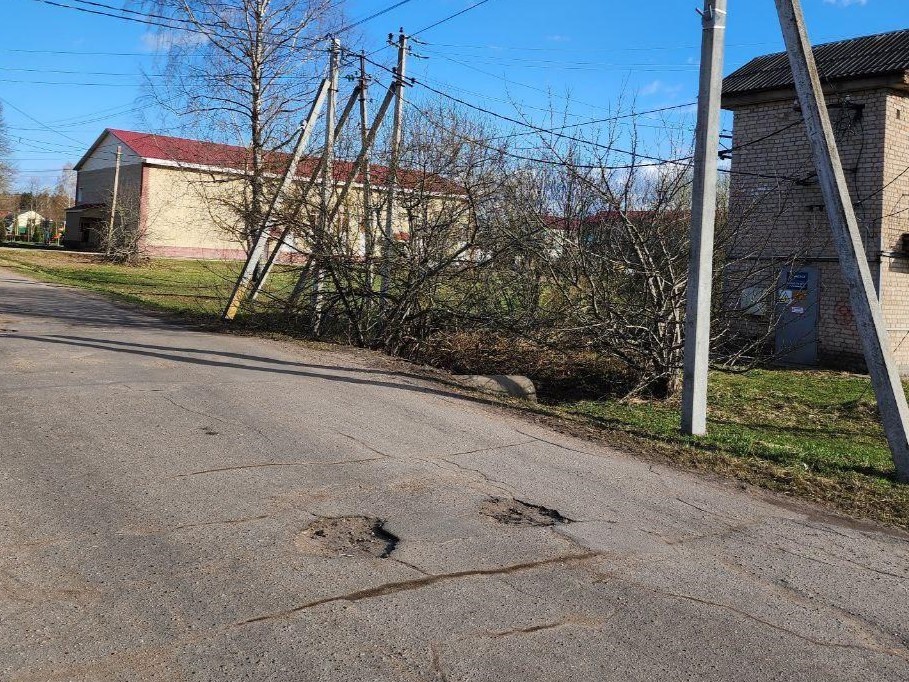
(182, 150)
(216, 154)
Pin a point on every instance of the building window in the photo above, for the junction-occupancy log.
(753, 301)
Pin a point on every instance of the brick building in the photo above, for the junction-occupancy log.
(785, 268)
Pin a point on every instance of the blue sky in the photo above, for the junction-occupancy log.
(579, 54)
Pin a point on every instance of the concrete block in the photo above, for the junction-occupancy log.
(509, 384)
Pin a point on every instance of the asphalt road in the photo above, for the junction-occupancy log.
(179, 505)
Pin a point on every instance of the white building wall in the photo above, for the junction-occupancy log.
(105, 155)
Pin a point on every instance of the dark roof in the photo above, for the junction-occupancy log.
(878, 55)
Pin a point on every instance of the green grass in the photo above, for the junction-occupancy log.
(811, 434)
(814, 434)
(824, 422)
(194, 289)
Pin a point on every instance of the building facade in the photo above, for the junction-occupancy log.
(783, 249)
(182, 195)
(23, 224)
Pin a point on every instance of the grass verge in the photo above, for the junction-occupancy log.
(195, 290)
(810, 434)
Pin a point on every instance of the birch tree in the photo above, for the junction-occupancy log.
(243, 71)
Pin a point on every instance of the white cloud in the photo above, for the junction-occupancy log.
(155, 41)
(659, 87)
(846, 3)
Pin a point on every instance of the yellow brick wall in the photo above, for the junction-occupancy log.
(186, 209)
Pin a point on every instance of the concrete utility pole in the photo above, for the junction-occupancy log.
(368, 234)
(328, 182)
(113, 201)
(703, 221)
(866, 309)
(248, 275)
(400, 73)
(267, 263)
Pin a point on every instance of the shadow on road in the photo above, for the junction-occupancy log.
(236, 356)
(172, 354)
(65, 307)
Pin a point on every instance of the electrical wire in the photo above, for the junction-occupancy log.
(139, 20)
(450, 17)
(513, 82)
(608, 119)
(515, 121)
(656, 162)
(35, 120)
(192, 25)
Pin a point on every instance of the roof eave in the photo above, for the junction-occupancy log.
(897, 80)
(91, 150)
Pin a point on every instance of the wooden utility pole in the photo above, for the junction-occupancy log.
(328, 181)
(703, 220)
(113, 202)
(869, 318)
(388, 240)
(260, 263)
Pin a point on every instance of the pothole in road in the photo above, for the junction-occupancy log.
(517, 513)
(347, 536)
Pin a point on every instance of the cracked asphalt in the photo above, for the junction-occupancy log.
(155, 482)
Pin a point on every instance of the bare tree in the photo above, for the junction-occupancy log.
(66, 185)
(6, 167)
(124, 243)
(564, 260)
(446, 177)
(243, 71)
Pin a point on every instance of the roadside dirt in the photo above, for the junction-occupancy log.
(347, 536)
(518, 513)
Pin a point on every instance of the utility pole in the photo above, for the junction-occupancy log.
(113, 202)
(399, 75)
(328, 158)
(368, 234)
(266, 264)
(866, 309)
(252, 266)
(703, 221)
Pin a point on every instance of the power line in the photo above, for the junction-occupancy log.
(79, 52)
(489, 98)
(139, 20)
(657, 162)
(510, 81)
(40, 123)
(515, 121)
(449, 17)
(607, 119)
(126, 10)
(192, 25)
(375, 15)
(65, 83)
(600, 167)
(881, 190)
(538, 48)
(580, 65)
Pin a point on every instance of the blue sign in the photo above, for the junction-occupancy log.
(798, 281)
